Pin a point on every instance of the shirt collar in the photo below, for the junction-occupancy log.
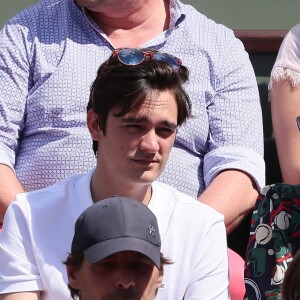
(177, 14)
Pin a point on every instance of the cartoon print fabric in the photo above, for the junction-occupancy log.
(274, 240)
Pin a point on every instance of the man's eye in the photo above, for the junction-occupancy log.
(133, 127)
(165, 131)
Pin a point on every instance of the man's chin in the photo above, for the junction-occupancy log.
(147, 180)
(145, 177)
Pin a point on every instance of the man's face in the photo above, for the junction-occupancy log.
(124, 275)
(136, 146)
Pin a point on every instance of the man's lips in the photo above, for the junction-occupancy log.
(146, 161)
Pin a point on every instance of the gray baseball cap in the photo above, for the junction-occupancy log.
(117, 224)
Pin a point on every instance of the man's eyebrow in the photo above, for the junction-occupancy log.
(132, 119)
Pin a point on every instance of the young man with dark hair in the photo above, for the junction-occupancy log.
(137, 103)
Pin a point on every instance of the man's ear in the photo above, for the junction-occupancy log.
(160, 278)
(72, 277)
(93, 125)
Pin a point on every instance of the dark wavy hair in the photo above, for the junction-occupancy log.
(128, 87)
(75, 260)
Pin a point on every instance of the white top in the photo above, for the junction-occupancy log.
(287, 65)
(38, 230)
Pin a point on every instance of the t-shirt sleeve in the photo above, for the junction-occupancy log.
(210, 278)
(19, 271)
(287, 64)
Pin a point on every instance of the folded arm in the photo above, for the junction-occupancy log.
(233, 166)
(21, 296)
(232, 193)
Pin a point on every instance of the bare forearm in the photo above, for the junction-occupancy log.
(21, 296)
(285, 108)
(9, 188)
(233, 194)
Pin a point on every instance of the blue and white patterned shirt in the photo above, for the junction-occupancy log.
(49, 56)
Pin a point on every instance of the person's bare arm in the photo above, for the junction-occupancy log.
(233, 194)
(285, 108)
(9, 188)
(21, 296)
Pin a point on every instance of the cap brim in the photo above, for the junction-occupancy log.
(104, 249)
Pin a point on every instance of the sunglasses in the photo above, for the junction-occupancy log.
(133, 57)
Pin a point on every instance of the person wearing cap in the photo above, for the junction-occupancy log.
(115, 252)
(137, 104)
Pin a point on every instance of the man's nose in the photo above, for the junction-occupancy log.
(125, 279)
(149, 142)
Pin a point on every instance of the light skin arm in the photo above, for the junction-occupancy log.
(233, 194)
(285, 108)
(21, 296)
(9, 188)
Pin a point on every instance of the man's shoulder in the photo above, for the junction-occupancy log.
(180, 214)
(62, 192)
(184, 203)
(205, 33)
(195, 16)
(40, 14)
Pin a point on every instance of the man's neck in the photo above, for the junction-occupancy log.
(103, 187)
(133, 27)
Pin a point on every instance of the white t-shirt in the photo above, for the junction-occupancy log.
(38, 230)
(287, 64)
